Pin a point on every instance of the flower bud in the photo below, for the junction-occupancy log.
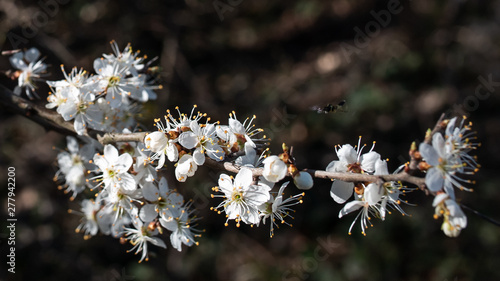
(303, 180)
(156, 141)
(274, 169)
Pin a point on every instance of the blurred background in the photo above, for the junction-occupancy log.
(397, 64)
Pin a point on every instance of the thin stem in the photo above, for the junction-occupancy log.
(51, 120)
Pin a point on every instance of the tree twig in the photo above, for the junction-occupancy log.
(109, 138)
(51, 120)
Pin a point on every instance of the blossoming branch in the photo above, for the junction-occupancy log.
(115, 170)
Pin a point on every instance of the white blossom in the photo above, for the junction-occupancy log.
(31, 70)
(279, 209)
(140, 236)
(350, 160)
(242, 198)
(114, 168)
(454, 218)
(445, 166)
(274, 169)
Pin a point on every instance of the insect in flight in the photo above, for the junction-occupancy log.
(331, 108)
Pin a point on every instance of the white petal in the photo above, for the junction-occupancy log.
(434, 179)
(451, 126)
(341, 191)
(179, 176)
(215, 152)
(157, 242)
(243, 178)
(439, 144)
(161, 161)
(429, 154)
(350, 207)
(439, 198)
(175, 200)
(223, 132)
(195, 127)
(373, 193)
(127, 182)
(337, 166)
(184, 164)
(148, 213)
(236, 126)
(175, 240)
(17, 61)
(172, 152)
(368, 161)
(226, 184)
(347, 154)
(256, 195)
(150, 192)
(110, 153)
(188, 140)
(163, 186)
(125, 160)
(198, 157)
(79, 124)
(274, 169)
(251, 217)
(73, 146)
(32, 54)
(101, 162)
(381, 167)
(100, 65)
(448, 188)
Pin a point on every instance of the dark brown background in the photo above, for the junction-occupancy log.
(275, 60)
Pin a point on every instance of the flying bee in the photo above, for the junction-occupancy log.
(331, 108)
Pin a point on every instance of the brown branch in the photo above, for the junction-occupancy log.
(109, 138)
(440, 125)
(51, 120)
(348, 177)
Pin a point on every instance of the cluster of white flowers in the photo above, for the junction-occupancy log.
(187, 141)
(250, 201)
(132, 202)
(74, 165)
(373, 199)
(110, 99)
(447, 160)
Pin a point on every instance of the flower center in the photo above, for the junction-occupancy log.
(354, 168)
(113, 81)
(81, 107)
(237, 196)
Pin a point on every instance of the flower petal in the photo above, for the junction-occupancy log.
(350, 207)
(243, 178)
(373, 193)
(148, 213)
(188, 140)
(429, 154)
(225, 184)
(341, 191)
(434, 179)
